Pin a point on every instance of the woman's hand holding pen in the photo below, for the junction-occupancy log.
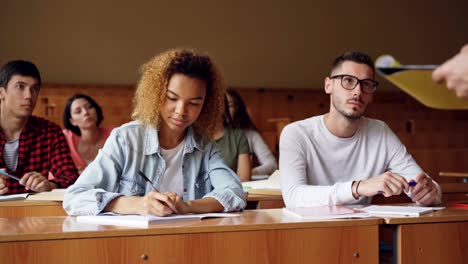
(156, 203)
(181, 206)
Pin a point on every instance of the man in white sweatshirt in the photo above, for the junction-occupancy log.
(343, 157)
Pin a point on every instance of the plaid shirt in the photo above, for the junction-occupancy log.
(42, 148)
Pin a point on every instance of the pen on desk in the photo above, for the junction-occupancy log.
(9, 175)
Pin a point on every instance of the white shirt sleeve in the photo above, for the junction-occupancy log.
(260, 149)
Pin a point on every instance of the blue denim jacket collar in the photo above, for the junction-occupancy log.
(152, 141)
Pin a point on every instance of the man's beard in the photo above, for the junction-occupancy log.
(352, 116)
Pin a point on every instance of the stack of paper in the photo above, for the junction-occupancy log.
(142, 220)
(13, 197)
(268, 186)
(54, 195)
(416, 80)
(388, 210)
(324, 212)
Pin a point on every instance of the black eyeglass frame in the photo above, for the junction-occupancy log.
(359, 81)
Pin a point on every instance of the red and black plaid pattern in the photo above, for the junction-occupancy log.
(42, 148)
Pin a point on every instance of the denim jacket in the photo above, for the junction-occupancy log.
(134, 147)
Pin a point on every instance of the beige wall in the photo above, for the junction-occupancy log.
(257, 43)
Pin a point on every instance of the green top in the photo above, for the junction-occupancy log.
(232, 144)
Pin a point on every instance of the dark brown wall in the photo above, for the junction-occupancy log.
(261, 43)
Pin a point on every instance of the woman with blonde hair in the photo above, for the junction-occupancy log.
(164, 162)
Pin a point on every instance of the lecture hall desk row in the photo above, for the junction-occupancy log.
(257, 236)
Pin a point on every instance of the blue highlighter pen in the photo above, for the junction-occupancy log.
(9, 175)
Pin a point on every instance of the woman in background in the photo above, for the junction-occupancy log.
(241, 119)
(234, 146)
(81, 119)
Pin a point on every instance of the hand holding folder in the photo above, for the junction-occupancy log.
(454, 73)
(416, 80)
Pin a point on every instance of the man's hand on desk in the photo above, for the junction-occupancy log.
(36, 182)
(3, 186)
(387, 184)
(425, 192)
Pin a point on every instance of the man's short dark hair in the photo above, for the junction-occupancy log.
(18, 67)
(354, 56)
(67, 112)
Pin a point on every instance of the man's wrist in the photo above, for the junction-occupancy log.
(53, 185)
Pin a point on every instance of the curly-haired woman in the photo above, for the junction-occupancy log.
(177, 104)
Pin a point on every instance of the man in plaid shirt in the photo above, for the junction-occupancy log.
(31, 148)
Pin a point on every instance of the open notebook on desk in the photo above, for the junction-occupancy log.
(142, 220)
(416, 80)
(268, 186)
(54, 195)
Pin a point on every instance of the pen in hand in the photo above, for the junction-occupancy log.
(411, 183)
(9, 175)
(147, 180)
(168, 203)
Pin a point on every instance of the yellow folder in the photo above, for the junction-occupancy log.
(416, 80)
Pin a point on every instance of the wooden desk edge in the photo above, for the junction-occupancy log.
(154, 230)
(20, 203)
(453, 174)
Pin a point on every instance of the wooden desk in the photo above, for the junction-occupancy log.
(439, 237)
(264, 201)
(31, 208)
(453, 174)
(257, 236)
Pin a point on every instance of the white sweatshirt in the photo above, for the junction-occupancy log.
(318, 168)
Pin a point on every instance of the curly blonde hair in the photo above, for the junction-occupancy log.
(150, 94)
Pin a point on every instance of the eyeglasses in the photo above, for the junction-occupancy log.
(350, 82)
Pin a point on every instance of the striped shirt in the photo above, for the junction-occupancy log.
(10, 154)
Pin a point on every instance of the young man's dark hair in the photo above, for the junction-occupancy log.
(18, 67)
(354, 56)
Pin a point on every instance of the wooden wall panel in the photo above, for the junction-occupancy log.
(115, 101)
(436, 138)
